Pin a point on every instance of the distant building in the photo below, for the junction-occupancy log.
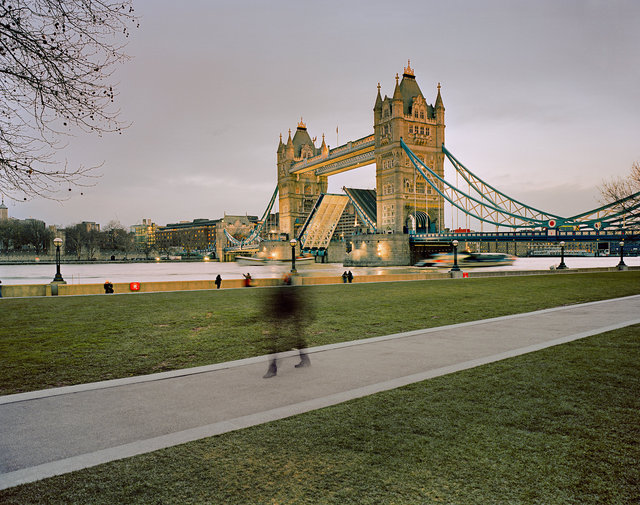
(196, 235)
(4, 211)
(239, 226)
(145, 233)
(90, 226)
(271, 227)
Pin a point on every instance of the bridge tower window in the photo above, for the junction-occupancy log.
(408, 186)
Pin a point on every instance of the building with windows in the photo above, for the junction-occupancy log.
(198, 235)
(144, 233)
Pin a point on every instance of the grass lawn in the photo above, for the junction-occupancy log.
(559, 426)
(56, 341)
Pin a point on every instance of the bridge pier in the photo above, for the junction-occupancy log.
(379, 250)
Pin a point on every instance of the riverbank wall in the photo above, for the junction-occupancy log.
(36, 290)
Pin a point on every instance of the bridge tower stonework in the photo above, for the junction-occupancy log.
(298, 192)
(404, 199)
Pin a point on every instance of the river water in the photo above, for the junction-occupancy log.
(97, 273)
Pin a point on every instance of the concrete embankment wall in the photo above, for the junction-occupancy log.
(12, 291)
(28, 290)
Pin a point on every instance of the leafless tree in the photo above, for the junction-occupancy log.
(115, 238)
(619, 188)
(57, 58)
(74, 239)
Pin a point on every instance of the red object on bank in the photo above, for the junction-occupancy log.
(465, 275)
(134, 286)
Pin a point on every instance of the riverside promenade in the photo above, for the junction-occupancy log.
(55, 431)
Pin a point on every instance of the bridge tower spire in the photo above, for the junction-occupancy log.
(298, 192)
(407, 115)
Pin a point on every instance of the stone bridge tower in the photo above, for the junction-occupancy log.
(404, 198)
(298, 192)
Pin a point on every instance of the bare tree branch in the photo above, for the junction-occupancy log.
(57, 58)
(619, 188)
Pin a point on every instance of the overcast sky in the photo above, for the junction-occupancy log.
(542, 99)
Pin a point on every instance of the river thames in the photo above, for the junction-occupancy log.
(97, 273)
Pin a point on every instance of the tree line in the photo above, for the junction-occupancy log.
(33, 236)
(85, 243)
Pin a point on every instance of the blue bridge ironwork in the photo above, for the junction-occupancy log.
(526, 236)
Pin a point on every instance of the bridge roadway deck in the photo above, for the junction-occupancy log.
(51, 432)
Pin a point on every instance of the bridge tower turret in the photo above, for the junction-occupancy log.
(403, 197)
(297, 192)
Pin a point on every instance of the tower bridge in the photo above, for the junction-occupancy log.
(303, 169)
(407, 148)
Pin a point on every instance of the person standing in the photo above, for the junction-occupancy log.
(344, 277)
(218, 281)
(349, 276)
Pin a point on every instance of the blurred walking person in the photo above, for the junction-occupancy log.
(287, 310)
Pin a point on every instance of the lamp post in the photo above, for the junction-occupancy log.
(58, 242)
(562, 266)
(455, 267)
(293, 243)
(622, 265)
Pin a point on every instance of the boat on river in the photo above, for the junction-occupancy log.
(468, 259)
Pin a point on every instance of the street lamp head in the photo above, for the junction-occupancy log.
(455, 243)
(622, 243)
(562, 244)
(293, 242)
(57, 241)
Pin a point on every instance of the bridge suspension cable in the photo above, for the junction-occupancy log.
(623, 213)
(497, 208)
(254, 236)
(483, 210)
(496, 197)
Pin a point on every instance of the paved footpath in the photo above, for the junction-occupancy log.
(55, 431)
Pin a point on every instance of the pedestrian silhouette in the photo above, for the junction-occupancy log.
(108, 287)
(218, 281)
(349, 276)
(287, 313)
(345, 277)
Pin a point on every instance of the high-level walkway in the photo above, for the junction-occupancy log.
(55, 431)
